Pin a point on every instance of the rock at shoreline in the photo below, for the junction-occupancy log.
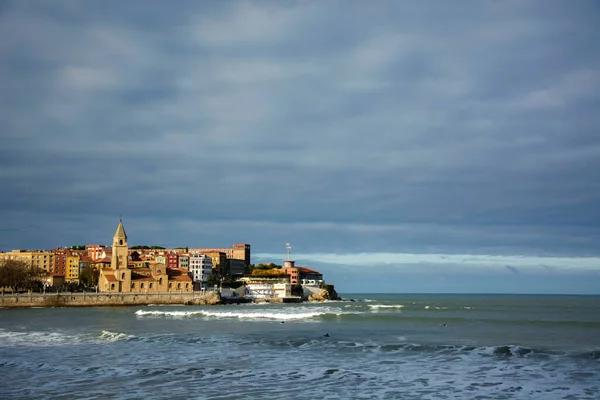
(327, 293)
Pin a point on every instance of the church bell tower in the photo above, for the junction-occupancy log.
(120, 249)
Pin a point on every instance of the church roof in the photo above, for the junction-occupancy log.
(142, 278)
(180, 278)
(120, 233)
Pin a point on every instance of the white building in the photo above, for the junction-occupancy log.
(200, 266)
(266, 288)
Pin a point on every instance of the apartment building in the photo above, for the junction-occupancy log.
(37, 258)
(95, 251)
(172, 260)
(239, 251)
(184, 261)
(200, 268)
(72, 268)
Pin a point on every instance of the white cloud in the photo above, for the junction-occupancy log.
(575, 85)
(328, 116)
(248, 22)
(471, 261)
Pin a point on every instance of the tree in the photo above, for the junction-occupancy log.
(231, 282)
(16, 274)
(89, 276)
(213, 279)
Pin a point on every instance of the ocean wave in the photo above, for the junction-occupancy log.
(499, 352)
(38, 338)
(115, 336)
(267, 315)
(175, 314)
(279, 315)
(385, 306)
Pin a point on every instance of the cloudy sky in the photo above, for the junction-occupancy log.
(398, 145)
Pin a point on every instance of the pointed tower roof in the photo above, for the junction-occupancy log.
(120, 233)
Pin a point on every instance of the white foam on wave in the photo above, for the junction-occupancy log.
(38, 338)
(427, 307)
(266, 315)
(283, 315)
(115, 336)
(384, 306)
(175, 314)
(49, 339)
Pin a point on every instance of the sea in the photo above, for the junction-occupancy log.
(370, 346)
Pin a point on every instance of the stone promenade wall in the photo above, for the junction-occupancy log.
(106, 299)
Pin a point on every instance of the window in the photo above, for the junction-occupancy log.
(123, 276)
(142, 285)
(179, 286)
(160, 281)
(150, 285)
(170, 285)
(133, 285)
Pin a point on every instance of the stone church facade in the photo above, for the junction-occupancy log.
(124, 276)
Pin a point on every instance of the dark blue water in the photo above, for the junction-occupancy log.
(378, 347)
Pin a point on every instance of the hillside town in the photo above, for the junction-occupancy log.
(153, 269)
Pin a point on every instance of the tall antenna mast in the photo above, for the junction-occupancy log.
(288, 249)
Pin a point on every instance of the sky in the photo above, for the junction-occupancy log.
(399, 146)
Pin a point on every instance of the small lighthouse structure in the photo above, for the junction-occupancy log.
(288, 263)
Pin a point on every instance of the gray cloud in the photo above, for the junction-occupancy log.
(339, 126)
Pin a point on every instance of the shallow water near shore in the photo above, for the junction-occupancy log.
(377, 346)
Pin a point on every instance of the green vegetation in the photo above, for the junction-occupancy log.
(231, 283)
(143, 247)
(251, 268)
(89, 276)
(228, 281)
(77, 247)
(274, 272)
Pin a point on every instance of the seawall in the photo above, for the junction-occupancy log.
(106, 299)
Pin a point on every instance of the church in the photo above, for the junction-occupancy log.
(124, 276)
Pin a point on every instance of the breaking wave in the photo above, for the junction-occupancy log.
(385, 306)
(115, 336)
(278, 315)
(38, 338)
